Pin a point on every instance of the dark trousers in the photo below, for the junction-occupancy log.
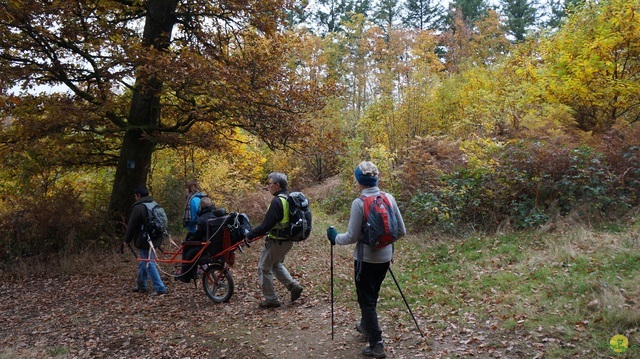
(189, 270)
(368, 289)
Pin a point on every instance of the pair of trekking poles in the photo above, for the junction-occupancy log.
(397, 285)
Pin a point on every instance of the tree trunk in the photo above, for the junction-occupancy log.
(144, 115)
(133, 169)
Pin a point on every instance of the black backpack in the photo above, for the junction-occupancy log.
(237, 224)
(299, 227)
(157, 223)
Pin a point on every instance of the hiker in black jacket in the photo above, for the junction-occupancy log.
(136, 233)
(275, 248)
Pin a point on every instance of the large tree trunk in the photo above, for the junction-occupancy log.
(132, 170)
(144, 114)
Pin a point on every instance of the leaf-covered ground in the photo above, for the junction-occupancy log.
(93, 314)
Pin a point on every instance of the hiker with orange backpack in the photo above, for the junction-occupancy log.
(374, 223)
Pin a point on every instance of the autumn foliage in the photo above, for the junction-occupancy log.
(470, 130)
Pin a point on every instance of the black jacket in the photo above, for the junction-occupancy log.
(201, 222)
(137, 220)
(274, 215)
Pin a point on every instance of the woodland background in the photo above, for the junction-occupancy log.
(508, 132)
(480, 116)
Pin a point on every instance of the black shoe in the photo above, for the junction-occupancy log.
(295, 292)
(137, 289)
(183, 278)
(375, 351)
(360, 329)
(269, 304)
(157, 294)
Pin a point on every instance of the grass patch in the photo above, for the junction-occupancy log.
(58, 351)
(570, 291)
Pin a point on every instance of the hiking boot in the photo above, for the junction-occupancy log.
(157, 294)
(360, 329)
(375, 351)
(137, 289)
(295, 292)
(269, 304)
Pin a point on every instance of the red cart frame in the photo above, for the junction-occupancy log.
(217, 280)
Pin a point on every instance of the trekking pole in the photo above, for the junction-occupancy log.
(331, 290)
(152, 250)
(405, 302)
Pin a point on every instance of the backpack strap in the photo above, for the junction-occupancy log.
(284, 223)
(149, 206)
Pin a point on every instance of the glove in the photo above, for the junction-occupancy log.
(331, 235)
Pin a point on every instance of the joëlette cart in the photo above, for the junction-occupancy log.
(224, 235)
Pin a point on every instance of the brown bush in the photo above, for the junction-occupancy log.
(621, 148)
(57, 224)
(425, 161)
(253, 204)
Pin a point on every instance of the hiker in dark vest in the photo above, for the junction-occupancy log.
(191, 207)
(375, 261)
(135, 232)
(275, 248)
(207, 211)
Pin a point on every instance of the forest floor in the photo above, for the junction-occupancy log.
(93, 314)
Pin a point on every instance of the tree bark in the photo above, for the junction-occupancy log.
(144, 114)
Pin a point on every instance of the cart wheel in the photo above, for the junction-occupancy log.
(218, 283)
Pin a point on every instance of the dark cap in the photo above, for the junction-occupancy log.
(141, 190)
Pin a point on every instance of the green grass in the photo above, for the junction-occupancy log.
(568, 291)
(542, 284)
(58, 351)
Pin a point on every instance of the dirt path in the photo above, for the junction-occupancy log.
(93, 315)
(96, 316)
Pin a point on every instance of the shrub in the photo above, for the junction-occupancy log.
(55, 224)
(620, 147)
(425, 162)
(524, 213)
(427, 209)
(586, 181)
(521, 183)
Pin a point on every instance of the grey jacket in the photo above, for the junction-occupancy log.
(354, 230)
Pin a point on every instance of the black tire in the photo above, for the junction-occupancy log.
(218, 283)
